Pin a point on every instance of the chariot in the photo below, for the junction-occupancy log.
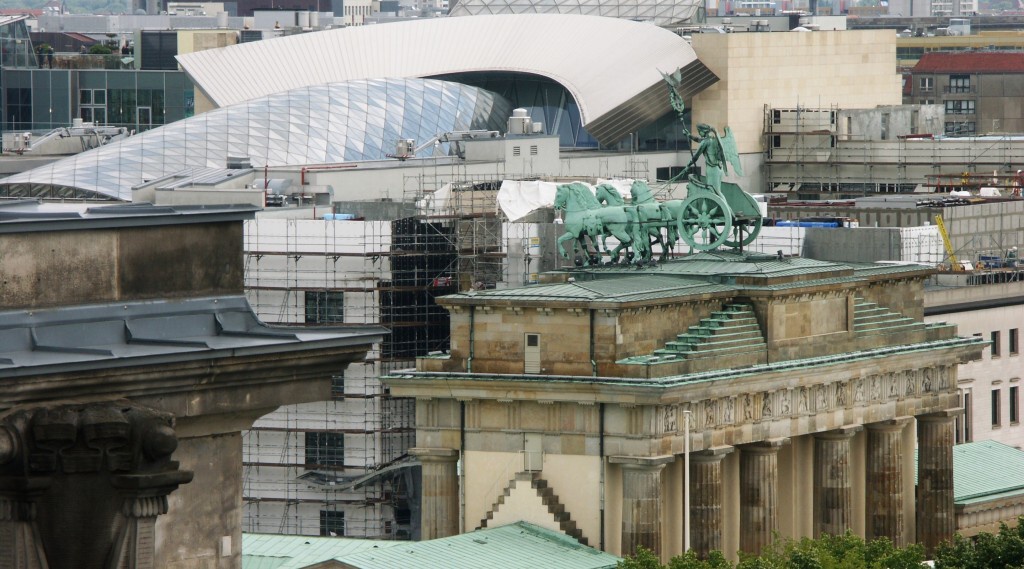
(714, 217)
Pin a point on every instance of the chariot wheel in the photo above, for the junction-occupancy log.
(707, 221)
(743, 234)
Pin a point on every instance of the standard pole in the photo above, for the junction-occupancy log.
(686, 481)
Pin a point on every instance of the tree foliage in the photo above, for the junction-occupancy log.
(1001, 550)
(828, 552)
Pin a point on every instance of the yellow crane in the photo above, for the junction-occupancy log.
(954, 263)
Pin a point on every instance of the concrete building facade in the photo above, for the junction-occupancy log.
(978, 89)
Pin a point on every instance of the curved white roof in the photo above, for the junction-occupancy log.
(321, 124)
(610, 66)
(657, 12)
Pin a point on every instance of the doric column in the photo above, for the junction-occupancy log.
(885, 480)
(641, 501)
(439, 515)
(759, 494)
(936, 519)
(833, 482)
(706, 500)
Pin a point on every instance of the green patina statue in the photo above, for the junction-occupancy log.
(714, 213)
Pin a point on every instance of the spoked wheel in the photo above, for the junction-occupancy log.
(707, 221)
(743, 234)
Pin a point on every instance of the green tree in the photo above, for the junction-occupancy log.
(1001, 550)
(845, 551)
(644, 559)
(99, 49)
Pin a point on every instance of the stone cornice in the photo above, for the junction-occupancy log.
(716, 384)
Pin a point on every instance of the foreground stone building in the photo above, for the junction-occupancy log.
(126, 342)
(805, 386)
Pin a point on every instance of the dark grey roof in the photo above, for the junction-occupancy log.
(32, 215)
(152, 332)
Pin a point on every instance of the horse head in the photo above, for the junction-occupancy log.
(561, 196)
(607, 194)
(641, 192)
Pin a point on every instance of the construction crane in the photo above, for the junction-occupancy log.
(954, 263)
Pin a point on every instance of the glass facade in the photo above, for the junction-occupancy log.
(548, 102)
(15, 46)
(339, 122)
(41, 100)
(657, 12)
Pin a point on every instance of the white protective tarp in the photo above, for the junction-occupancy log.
(519, 198)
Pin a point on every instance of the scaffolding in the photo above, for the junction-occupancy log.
(818, 152)
(340, 467)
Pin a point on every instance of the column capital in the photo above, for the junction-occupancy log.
(713, 454)
(844, 432)
(642, 461)
(435, 454)
(894, 424)
(766, 446)
(941, 416)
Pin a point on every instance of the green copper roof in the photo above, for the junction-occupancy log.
(698, 274)
(269, 551)
(985, 470)
(515, 546)
(631, 288)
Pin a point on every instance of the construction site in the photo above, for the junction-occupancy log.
(832, 153)
(340, 466)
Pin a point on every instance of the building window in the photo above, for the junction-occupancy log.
(996, 408)
(964, 107)
(885, 126)
(533, 150)
(1014, 405)
(325, 307)
(19, 108)
(92, 105)
(927, 83)
(960, 128)
(337, 387)
(1014, 342)
(959, 83)
(995, 344)
(515, 151)
(324, 449)
(963, 431)
(332, 523)
(532, 354)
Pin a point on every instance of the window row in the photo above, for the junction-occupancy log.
(964, 107)
(996, 342)
(1013, 404)
(957, 84)
(961, 128)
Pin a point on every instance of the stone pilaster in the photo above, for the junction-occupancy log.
(641, 501)
(706, 500)
(759, 494)
(21, 546)
(135, 547)
(936, 518)
(833, 482)
(885, 480)
(440, 502)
